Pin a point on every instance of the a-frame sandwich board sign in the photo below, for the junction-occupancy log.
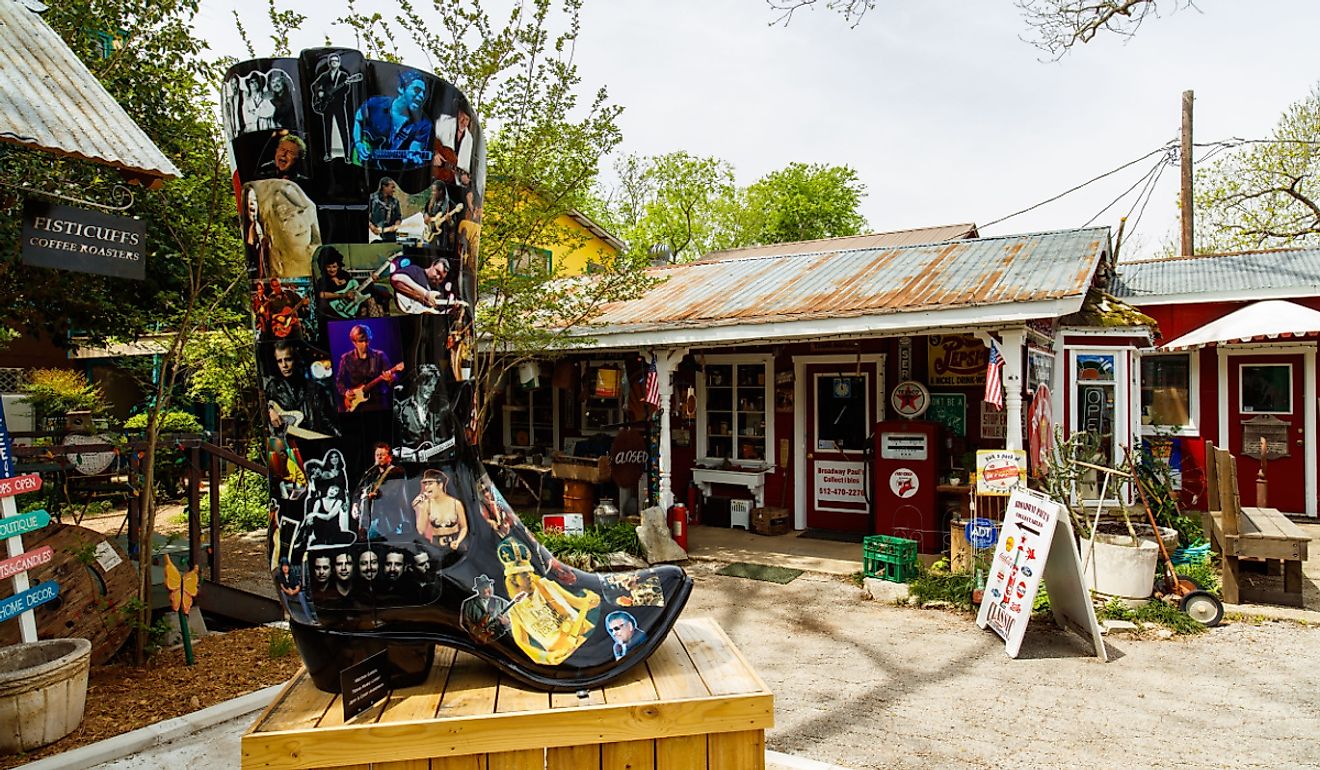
(1036, 544)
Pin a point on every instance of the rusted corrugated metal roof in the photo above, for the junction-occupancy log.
(1243, 275)
(49, 100)
(911, 237)
(829, 284)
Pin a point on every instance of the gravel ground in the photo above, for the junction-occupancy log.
(868, 685)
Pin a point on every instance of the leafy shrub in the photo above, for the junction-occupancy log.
(54, 392)
(595, 542)
(1205, 574)
(244, 502)
(170, 422)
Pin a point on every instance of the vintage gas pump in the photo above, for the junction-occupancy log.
(906, 469)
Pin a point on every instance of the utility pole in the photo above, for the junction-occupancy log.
(1187, 221)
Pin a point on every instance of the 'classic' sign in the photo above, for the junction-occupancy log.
(67, 238)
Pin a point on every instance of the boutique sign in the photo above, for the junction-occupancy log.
(66, 238)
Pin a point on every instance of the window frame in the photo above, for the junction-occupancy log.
(1193, 426)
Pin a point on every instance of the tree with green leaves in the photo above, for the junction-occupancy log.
(678, 203)
(1265, 194)
(686, 206)
(803, 202)
(144, 53)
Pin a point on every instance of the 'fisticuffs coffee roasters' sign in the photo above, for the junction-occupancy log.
(66, 238)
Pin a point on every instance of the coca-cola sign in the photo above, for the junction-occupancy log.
(628, 456)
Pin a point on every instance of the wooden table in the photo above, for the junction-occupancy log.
(540, 471)
(694, 704)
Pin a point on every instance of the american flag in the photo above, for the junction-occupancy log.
(652, 395)
(994, 386)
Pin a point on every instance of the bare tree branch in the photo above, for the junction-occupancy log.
(852, 10)
(1058, 25)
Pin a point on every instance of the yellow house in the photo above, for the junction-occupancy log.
(586, 247)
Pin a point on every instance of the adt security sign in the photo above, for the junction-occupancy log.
(981, 533)
(25, 601)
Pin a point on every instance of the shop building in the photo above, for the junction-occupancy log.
(844, 379)
(1236, 363)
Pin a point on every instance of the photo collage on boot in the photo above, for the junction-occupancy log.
(360, 187)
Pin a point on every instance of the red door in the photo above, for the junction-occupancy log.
(841, 412)
(1265, 397)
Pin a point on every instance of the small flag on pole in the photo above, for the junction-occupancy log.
(994, 385)
(652, 395)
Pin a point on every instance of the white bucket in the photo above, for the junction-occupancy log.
(1117, 567)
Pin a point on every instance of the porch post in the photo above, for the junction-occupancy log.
(665, 362)
(1012, 349)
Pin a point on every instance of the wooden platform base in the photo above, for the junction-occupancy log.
(696, 703)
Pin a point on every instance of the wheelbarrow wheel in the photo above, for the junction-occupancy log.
(1203, 607)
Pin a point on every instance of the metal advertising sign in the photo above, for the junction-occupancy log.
(68, 238)
(27, 600)
(955, 359)
(1000, 471)
(981, 533)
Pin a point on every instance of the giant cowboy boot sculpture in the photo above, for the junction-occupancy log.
(360, 196)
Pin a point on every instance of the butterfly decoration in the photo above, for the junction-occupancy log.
(183, 586)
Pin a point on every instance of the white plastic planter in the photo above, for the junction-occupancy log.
(1117, 567)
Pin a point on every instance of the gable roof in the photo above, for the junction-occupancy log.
(814, 290)
(50, 101)
(1234, 276)
(910, 237)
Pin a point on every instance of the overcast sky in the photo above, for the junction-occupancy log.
(943, 110)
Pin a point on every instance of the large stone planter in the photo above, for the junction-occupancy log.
(1117, 567)
(43, 689)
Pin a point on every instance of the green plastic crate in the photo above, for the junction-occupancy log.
(889, 558)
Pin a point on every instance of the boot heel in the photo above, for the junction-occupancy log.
(326, 655)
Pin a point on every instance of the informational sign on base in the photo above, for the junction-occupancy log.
(1036, 545)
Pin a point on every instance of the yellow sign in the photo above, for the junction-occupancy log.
(956, 359)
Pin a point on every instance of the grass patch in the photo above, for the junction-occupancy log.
(930, 587)
(279, 643)
(1156, 612)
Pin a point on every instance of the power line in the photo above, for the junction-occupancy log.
(1163, 148)
(1144, 178)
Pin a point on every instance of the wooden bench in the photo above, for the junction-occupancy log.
(1251, 533)
(695, 704)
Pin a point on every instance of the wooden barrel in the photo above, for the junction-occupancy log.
(579, 497)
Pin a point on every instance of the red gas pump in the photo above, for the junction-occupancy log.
(678, 524)
(906, 463)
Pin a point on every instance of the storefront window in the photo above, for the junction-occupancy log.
(735, 420)
(1168, 393)
(842, 413)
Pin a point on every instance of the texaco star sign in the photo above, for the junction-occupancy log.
(910, 399)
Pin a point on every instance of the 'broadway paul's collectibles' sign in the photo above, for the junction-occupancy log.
(67, 238)
(956, 359)
(1036, 545)
(839, 482)
(1000, 471)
